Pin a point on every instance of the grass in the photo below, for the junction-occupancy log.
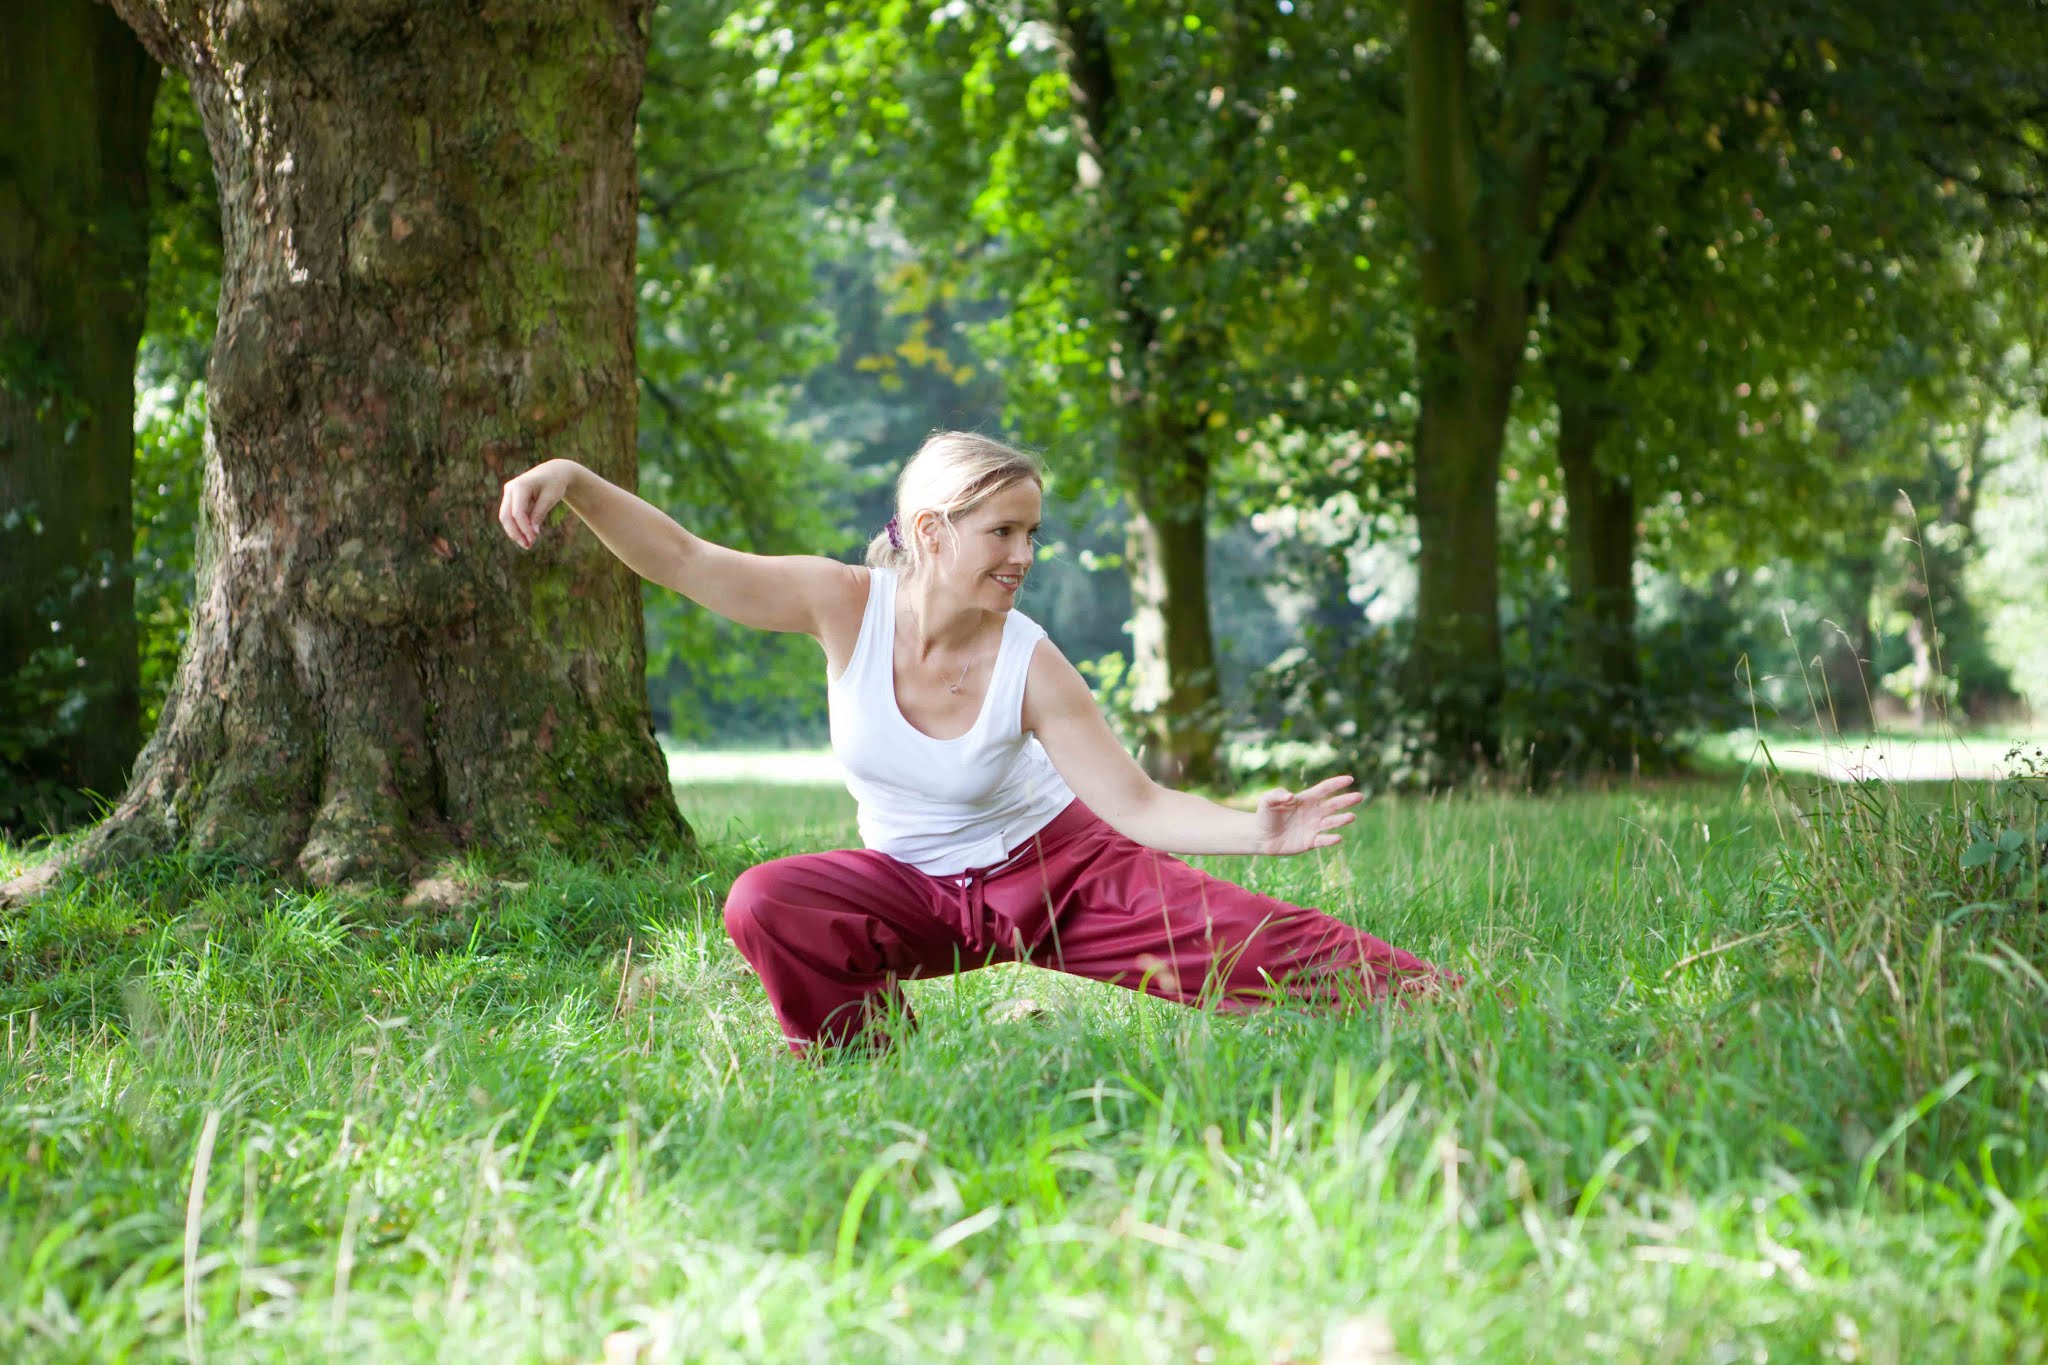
(1769, 1081)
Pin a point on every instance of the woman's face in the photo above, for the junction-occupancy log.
(992, 552)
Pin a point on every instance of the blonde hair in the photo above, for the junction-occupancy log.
(952, 473)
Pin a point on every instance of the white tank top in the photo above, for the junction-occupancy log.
(941, 805)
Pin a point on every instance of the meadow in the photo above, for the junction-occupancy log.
(1753, 1067)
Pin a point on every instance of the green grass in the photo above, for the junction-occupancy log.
(1764, 1077)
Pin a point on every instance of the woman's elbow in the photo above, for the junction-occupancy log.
(1131, 810)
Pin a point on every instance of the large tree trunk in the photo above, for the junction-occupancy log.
(74, 249)
(429, 215)
(1172, 646)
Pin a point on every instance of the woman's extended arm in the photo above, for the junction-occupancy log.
(1061, 711)
(771, 592)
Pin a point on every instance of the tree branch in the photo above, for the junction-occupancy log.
(665, 205)
(164, 27)
(1996, 194)
(723, 470)
(1624, 109)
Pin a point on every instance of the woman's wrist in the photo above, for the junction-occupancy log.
(576, 480)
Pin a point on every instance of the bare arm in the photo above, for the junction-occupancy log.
(770, 592)
(1061, 711)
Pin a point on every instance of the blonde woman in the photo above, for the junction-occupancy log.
(1002, 819)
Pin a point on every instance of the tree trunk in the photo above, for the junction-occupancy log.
(74, 251)
(1491, 225)
(1846, 651)
(1162, 468)
(1457, 662)
(428, 215)
(1600, 536)
(1473, 263)
(1173, 650)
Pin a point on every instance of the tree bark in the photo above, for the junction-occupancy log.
(1161, 466)
(428, 216)
(1847, 649)
(74, 252)
(1173, 649)
(1491, 225)
(1474, 312)
(1600, 535)
(1457, 664)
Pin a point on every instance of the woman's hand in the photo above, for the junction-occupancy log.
(528, 499)
(1295, 822)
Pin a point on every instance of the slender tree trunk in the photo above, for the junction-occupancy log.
(1600, 534)
(1980, 683)
(1492, 221)
(74, 251)
(1172, 645)
(429, 216)
(1846, 651)
(1474, 311)
(1457, 652)
(1162, 468)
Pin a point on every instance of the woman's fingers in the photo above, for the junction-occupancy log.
(522, 507)
(506, 518)
(523, 501)
(543, 500)
(1328, 785)
(526, 502)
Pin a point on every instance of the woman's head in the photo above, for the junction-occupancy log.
(956, 481)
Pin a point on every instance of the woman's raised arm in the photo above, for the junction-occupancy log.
(769, 592)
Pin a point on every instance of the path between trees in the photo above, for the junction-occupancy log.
(1891, 758)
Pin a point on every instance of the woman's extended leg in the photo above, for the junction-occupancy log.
(832, 934)
(1132, 916)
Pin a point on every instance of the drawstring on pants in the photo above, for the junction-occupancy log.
(971, 915)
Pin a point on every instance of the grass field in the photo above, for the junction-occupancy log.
(1769, 1081)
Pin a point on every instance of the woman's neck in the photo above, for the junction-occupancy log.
(942, 626)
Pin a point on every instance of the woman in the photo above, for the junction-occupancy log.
(1002, 819)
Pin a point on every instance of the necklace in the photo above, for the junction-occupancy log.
(954, 686)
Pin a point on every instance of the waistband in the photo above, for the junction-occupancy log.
(1072, 819)
(970, 909)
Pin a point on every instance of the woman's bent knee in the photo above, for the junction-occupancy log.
(751, 892)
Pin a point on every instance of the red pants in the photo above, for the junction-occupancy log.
(832, 934)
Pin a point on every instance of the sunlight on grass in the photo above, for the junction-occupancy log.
(1934, 755)
(801, 766)
(1756, 1071)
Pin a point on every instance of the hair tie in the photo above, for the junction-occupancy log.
(894, 533)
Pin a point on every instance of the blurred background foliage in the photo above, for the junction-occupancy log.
(1805, 328)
